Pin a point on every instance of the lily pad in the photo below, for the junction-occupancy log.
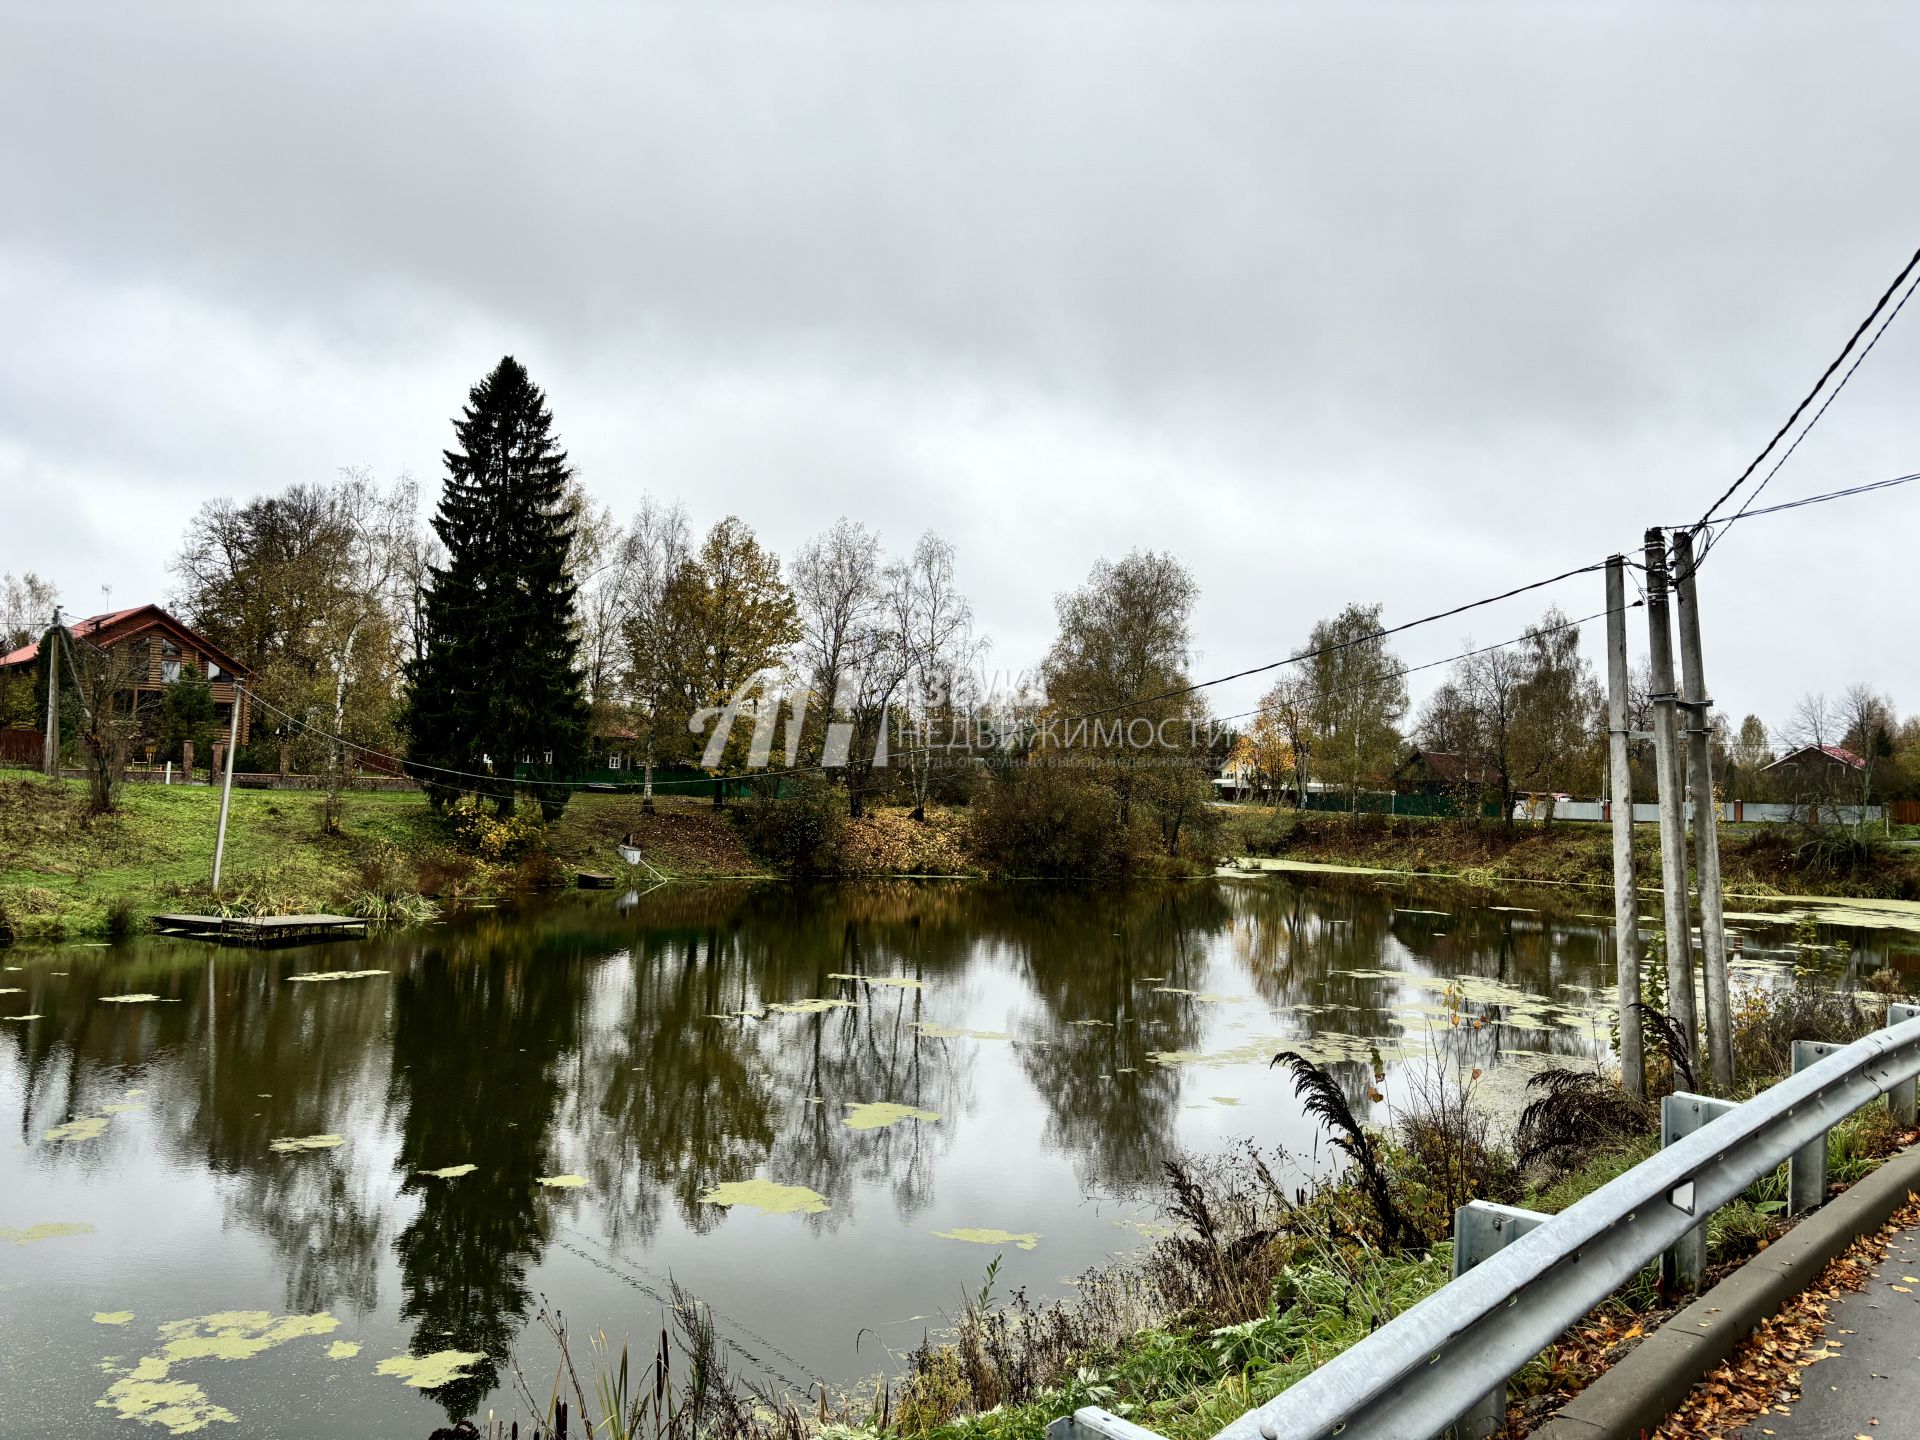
(430, 1372)
(294, 1144)
(767, 1196)
(877, 1114)
(989, 1237)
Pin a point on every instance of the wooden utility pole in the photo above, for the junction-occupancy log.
(1673, 832)
(50, 667)
(226, 788)
(1706, 826)
(1626, 899)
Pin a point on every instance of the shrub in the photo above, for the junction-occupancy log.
(1044, 820)
(801, 832)
(1573, 1113)
(121, 920)
(1767, 1022)
(494, 838)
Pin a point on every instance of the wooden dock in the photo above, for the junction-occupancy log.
(261, 929)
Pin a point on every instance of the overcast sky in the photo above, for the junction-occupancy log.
(1400, 305)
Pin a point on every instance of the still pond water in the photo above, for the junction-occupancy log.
(1003, 1076)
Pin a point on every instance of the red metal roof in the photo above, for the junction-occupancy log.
(1838, 753)
(118, 625)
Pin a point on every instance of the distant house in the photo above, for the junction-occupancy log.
(1817, 770)
(1437, 772)
(164, 651)
(1240, 776)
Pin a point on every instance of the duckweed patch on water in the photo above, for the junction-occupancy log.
(297, 1144)
(52, 1230)
(933, 1030)
(899, 982)
(876, 1114)
(113, 1317)
(451, 1172)
(319, 975)
(767, 1196)
(81, 1127)
(149, 1392)
(561, 1182)
(430, 1372)
(974, 1236)
(343, 1349)
(810, 1007)
(22, 1017)
(140, 998)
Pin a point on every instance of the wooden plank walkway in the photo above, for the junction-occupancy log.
(261, 929)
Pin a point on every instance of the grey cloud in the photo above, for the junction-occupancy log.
(1390, 303)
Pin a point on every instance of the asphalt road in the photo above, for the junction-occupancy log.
(1870, 1384)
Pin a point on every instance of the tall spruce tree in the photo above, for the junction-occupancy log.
(498, 681)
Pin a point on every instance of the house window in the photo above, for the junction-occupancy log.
(213, 671)
(169, 671)
(613, 762)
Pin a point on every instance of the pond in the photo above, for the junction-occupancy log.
(327, 1190)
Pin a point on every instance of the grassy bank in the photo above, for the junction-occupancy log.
(1754, 859)
(65, 874)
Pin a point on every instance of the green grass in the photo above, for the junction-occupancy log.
(67, 873)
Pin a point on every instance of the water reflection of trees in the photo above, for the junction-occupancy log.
(1104, 966)
(482, 1036)
(697, 1092)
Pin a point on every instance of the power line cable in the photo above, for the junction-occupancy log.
(1468, 654)
(1806, 500)
(1807, 430)
(1913, 261)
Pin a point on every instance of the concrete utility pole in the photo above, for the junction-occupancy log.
(1673, 831)
(1706, 826)
(50, 667)
(1626, 899)
(226, 788)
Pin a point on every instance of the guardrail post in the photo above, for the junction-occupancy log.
(1685, 1261)
(1901, 1098)
(1480, 1231)
(1807, 1169)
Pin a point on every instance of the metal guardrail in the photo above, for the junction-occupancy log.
(1523, 1278)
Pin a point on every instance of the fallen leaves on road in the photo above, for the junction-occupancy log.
(1765, 1371)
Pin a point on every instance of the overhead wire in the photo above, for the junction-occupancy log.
(1913, 263)
(1834, 394)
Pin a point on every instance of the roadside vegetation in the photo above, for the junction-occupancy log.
(1251, 1282)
